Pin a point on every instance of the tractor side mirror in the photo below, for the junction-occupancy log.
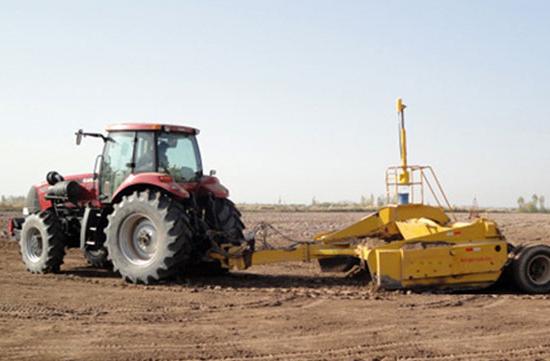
(79, 136)
(212, 172)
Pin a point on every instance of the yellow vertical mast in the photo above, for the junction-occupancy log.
(404, 176)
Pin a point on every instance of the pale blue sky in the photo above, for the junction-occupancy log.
(295, 99)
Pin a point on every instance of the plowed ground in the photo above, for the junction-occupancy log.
(280, 312)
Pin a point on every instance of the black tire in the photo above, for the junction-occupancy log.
(531, 269)
(148, 237)
(221, 216)
(42, 243)
(338, 263)
(97, 257)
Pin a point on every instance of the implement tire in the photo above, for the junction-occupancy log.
(148, 237)
(531, 269)
(338, 263)
(42, 243)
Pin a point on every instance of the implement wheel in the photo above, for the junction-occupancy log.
(148, 237)
(42, 243)
(338, 263)
(531, 269)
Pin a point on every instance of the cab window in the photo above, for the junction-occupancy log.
(145, 153)
(178, 155)
(117, 161)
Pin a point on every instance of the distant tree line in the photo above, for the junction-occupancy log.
(369, 202)
(365, 202)
(12, 202)
(535, 205)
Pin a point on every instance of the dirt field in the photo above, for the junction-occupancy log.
(283, 312)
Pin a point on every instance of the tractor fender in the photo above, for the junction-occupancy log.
(212, 185)
(160, 181)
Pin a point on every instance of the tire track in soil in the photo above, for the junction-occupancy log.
(329, 290)
(42, 311)
(37, 312)
(543, 350)
(209, 344)
(538, 351)
(388, 348)
(538, 337)
(157, 314)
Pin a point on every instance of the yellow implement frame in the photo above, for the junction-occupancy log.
(426, 249)
(418, 177)
(421, 246)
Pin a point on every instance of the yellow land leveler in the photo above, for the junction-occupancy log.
(412, 245)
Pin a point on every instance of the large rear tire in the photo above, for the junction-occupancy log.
(148, 237)
(223, 217)
(531, 269)
(42, 243)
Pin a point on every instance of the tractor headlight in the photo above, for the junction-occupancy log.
(26, 211)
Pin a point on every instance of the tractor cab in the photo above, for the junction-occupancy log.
(165, 157)
(143, 148)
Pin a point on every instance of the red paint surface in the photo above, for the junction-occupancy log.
(86, 181)
(207, 184)
(11, 227)
(152, 179)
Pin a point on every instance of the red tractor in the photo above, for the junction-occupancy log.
(147, 210)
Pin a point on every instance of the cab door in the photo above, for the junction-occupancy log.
(117, 163)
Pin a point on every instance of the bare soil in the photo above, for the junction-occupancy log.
(279, 312)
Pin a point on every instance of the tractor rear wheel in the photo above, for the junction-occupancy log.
(221, 216)
(42, 242)
(97, 257)
(148, 237)
(531, 269)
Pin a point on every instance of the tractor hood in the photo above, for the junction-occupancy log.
(36, 198)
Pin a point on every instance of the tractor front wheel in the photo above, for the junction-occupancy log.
(97, 257)
(148, 237)
(42, 242)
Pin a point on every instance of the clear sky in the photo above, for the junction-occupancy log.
(295, 99)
